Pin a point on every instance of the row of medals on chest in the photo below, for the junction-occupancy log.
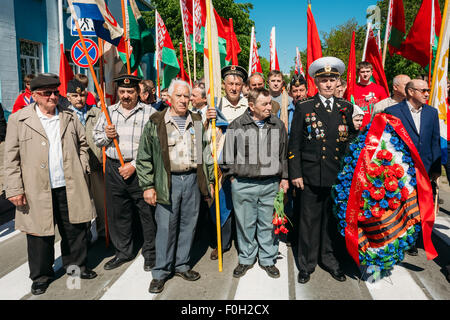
(314, 124)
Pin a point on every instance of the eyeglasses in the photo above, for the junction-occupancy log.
(422, 90)
(48, 93)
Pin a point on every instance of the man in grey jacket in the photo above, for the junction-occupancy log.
(258, 172)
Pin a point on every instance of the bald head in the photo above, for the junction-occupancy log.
(398, 86)
(417, 92)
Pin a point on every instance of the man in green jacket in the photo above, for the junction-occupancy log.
(175, 169)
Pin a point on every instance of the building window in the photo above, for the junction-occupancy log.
(30, 58)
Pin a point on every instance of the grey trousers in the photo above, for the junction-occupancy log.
(253, 207)
(176, 226)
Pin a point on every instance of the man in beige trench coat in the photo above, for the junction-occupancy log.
(46, 167)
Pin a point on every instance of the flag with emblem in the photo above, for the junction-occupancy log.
(298, 64)
(165, 52)
(254, 64)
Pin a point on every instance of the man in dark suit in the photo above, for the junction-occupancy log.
(320, 131)
(421, 121)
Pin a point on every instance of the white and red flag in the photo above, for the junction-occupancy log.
(187, 24)
(298, 64)
(197, 21)
(274, 65)
(254, 63)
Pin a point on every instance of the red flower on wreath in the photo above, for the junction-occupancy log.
(377, 211)
(361, 216)
(384, 154)
(377, 193)
(391, 184)
(399, 171)
(394, 203)
(374, 170)
(405, 194)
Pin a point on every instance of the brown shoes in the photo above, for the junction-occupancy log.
(214, 254)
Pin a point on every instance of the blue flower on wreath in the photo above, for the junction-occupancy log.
(401, 184)
(367, 214)
(406, 159)
(348, 159)
(398, 195)
(388, 128)
(391, 248)
(378, 183)
(354, 163)
(339, 188)
(348, 169)
(413, 182)
(346, 183)
(362, 138)
(353, 147)
(394, 140)
(349, 176)
(410, 239)
(384, 204)
(342, 196)
(417, 228)
(341, 176)
(366, 194)
(372, 202)
(386, 162)
(390, 194)
(343, 224)
(356, 154)
(411, 171)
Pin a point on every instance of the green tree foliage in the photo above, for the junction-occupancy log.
(171, 15)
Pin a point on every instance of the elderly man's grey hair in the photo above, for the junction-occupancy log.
(179, 82)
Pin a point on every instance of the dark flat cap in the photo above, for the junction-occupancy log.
(235, 71)
(44, 80)
(127, 81)
(75, 86)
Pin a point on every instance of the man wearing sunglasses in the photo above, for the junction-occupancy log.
(422, 124)
(46, 167)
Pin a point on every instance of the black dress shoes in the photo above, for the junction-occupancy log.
(241, 269)
(149, 264)
(338, 275)
(156, 286)
(412, 251)
(272, 271)
(85, 274)
(303, 277)
(189, 275)
(115, 263)
(38, 288)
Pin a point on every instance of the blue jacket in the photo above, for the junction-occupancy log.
(428, 141)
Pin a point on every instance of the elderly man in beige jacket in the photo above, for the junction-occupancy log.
(46, 168)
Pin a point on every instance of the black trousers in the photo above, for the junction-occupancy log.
(318, 235)
(123, 199)
(74, 244)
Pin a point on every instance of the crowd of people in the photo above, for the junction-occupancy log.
(151, 158)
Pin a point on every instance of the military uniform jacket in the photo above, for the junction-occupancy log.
(318, 140)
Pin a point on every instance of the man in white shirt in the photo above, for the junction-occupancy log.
(398, 94)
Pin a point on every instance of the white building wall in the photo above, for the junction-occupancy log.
(9, 77)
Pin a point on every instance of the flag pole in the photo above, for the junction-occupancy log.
(182, 62)
(125, 33)
(193, 38)
(369, 26)
(441, 35)
(157, 53)
(213, 134)
(97, 86)
(387, 32)
(185, 43)
(432, 36)
(252, 37)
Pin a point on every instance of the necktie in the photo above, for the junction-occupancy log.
(328, 105)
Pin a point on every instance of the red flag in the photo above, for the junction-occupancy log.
(233, 48)
(351, 72)
(374, 57)
(416, 47)
(274, 65)
(65, 72)
(314, 50)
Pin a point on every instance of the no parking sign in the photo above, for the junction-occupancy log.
(78, 56)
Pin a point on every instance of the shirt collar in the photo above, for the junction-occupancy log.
(203, 110)
(43, 116)
(168, 117)
(323, 99)
(412, 109)
(242, 103)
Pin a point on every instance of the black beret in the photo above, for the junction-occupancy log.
(127, 81)
(44, 80)
(297, 80)
(75, 86)
(235, 71)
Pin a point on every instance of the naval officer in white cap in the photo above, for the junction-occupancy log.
(320, 131)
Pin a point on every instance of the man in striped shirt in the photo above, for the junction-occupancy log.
(123, 194)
